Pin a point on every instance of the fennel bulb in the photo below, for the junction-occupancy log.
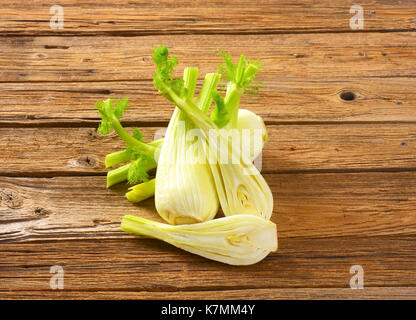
(185, 190)
(240, 187)
(234, 240)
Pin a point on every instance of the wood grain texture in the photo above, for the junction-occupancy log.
(149, 265)
(316, 57)
(71, 103)
(306, 205)
(373, 293)
(342, 172)
(32, 152)
(207, 17)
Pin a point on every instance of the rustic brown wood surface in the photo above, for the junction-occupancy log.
(340, 108)
(48, 103)
(307, 205)
(324, 147)
(141, 17)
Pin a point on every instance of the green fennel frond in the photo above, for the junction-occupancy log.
(242, 74)
(138, 168)
(174, 89)
(137, 172)
(134, 152)
(108, 110)
(163, 78)
(228, 70)
(239, 79)
(111, 111)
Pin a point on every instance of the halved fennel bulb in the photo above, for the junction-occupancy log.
(234, 240)
(240, 187)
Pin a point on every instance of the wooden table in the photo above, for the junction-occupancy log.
(340, 108)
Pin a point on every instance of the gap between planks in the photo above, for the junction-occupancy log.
(127, 34)
(62, 174)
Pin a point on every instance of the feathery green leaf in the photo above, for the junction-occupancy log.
(108, 110)
(163, 77)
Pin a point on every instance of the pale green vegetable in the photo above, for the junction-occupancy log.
(115, 158)
(240, 187)
(185, 190)
(249, 122)
(234, 240)
(246, 120)
(141, 191)
(143, 154)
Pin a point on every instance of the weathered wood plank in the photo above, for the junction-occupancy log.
(377, 293)
(61, 151)
(213, 16)
(326, 222)
(150, 265)
(375, 100)
(306, 205)
(315, 57)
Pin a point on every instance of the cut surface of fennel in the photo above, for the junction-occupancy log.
(234, 240)
(240, 187)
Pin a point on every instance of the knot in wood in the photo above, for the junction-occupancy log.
(87, 161)
(11, 198)
(41, 211)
